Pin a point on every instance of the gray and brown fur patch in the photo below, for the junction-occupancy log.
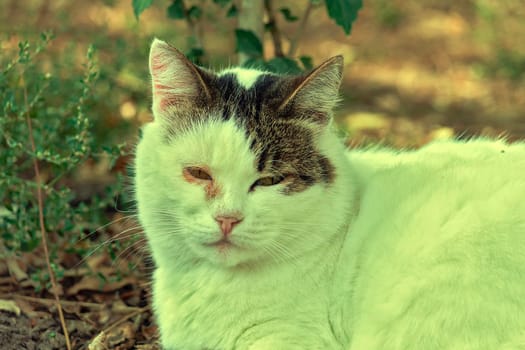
(283, 137)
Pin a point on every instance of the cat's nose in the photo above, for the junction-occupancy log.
(227, 222)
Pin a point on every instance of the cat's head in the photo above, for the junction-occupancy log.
(238, 166)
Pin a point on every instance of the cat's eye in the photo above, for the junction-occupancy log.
(268, 181)
(198, 173)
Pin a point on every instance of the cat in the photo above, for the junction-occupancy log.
(268, 234)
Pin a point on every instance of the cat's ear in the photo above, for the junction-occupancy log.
(318, 90)
(176, 82)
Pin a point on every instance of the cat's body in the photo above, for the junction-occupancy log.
(267, 235)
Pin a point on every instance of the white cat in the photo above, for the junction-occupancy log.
(268, 234)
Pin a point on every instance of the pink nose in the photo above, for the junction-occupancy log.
(227, 222)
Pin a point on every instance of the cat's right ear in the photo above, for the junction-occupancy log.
(176, 82)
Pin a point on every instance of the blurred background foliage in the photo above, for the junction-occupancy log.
(415, 71)
(436, 63)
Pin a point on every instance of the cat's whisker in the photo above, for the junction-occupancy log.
(121, 235)
(283, 252)
(89, 234)
(140, 259)
(273, 256)
(128, 250)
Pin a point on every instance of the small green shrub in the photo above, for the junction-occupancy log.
(388, 14)
(505, 64)
(53, 99)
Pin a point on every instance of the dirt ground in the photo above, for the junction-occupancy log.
(18, 332)
(45, 333)
(105, 306)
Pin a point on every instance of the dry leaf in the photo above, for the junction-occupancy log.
(122, 337)
(26, 308)
(9, 306)
(98, 343)
(15, 270)
(149, 332)
(94, 283)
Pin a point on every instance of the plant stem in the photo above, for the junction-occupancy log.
(193, 25)
(294, 43)
(274, 29)
(42, 225)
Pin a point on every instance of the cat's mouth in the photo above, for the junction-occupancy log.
(221, 243)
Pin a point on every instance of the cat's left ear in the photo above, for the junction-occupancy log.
(318, 90)
(176, 82)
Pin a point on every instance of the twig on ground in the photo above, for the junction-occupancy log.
(45, 301)
(42, 226)
(49, 302)
(7, 280)
(125, 318)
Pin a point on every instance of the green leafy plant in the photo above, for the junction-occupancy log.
(388, 14)
(250, 31)
(45, 135)
(506, 64)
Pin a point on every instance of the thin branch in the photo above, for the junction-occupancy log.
(68, 303)
(126, 317)
(49, 302)
(193, 25)
(294, 43)
(42, 226)
(274, 29)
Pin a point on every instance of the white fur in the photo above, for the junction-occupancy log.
(439, 243)
(222, 294)
(245, 77)
(433, 258)
(405, 250)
